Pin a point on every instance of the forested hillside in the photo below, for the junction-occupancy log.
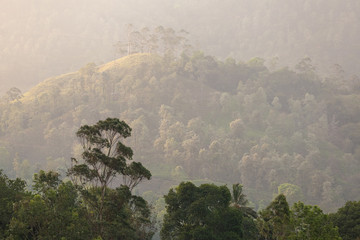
(198, 118)
(40, 39)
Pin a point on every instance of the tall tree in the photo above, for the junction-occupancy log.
(104, 158)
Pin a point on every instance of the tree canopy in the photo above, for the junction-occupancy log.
(200, 213)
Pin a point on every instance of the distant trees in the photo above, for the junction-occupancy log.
(160, 40)
(13, 94)
(278, 132)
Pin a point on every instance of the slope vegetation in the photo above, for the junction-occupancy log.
(198, 118)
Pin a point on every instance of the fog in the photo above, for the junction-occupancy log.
(247, 109)
(40, 39)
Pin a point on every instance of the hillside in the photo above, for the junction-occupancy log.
(40, 39)
(198, 118)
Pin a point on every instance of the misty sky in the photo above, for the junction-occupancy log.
(42, 38)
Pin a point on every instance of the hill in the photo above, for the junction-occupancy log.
(198, 118)
(40, 39)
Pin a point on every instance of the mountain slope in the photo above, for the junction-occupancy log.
(202, 119)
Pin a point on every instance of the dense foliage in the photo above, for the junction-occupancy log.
(54, 209)
(11, 191)
(204, 213)
(278, 221)
(200, 213)
(87, 207)
(284, 131)
(347, 218)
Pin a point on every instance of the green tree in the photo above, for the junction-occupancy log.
(309, 222)
(53, 212)
(240, 202)
(200, 213)
(347, 219)
(11, 191)
(126, 216)
(274, 221)
(105, 157)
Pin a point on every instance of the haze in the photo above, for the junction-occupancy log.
(179, 119)
(40, 39)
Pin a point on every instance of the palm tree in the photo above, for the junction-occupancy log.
(238, 200)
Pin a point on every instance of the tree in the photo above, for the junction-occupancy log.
(13, 94)
(309, 222)
(347, 219)
(200, 213)
(238, 200)
(52, 212)
(104, 158)
(5, 161)
(292, 192)
(11, 191)
(274, 221)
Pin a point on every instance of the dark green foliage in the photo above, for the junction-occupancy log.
(53, 213)
(239, 201)
(44, 181)
(134, 174)
(302, 221)
(309, 222)
(11, 191)
(125, 216)
(250, 230)
(274, 221)
(347, 219)
(200, 213)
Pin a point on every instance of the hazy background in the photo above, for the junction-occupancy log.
(42, 38)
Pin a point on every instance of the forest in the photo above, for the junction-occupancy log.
(89, 207)
(283, 132)
(180, 120)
